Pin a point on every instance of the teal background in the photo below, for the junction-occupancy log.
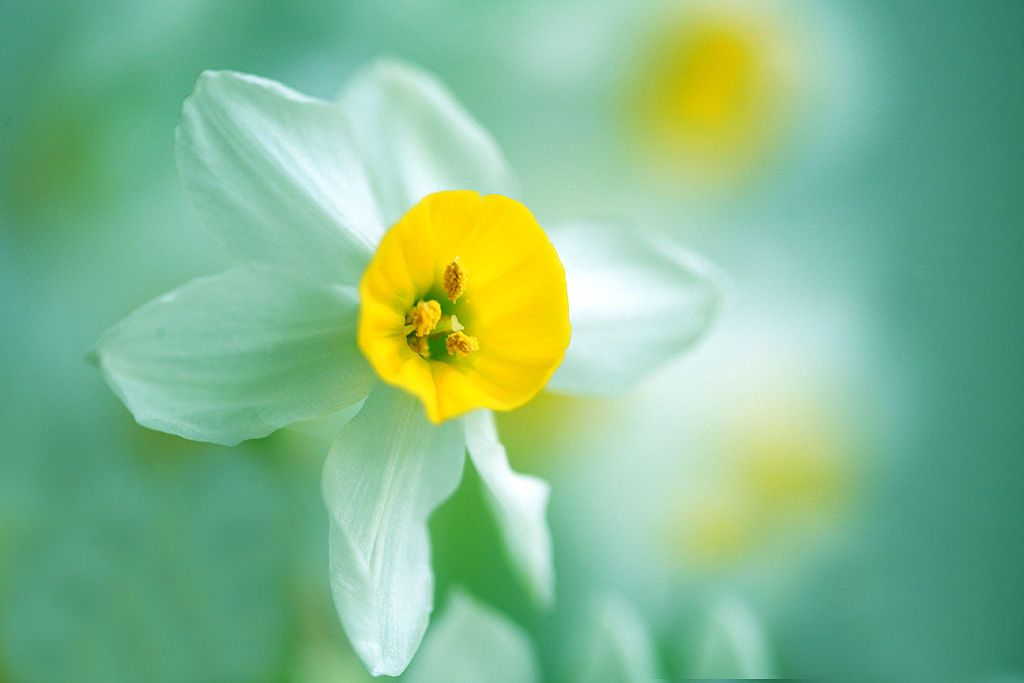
(131, 555)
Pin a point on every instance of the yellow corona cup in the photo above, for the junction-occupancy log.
(464, 304)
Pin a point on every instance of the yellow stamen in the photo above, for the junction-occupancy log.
(447, 324)
(420, 346)
(454, 280)
(461, 344)
(424, 317)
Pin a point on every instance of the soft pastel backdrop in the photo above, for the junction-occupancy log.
(841, 457)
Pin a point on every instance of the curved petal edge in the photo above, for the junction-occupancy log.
(636, 302)
(519, 503)
(236, 356)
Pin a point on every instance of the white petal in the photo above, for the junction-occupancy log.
(635, 303)
(387, 471)
(327, 427)
(472, 643)
(236, 356)
(733, 645)
(519, 503)
(616, 646)
(415, 139)
(273, 177)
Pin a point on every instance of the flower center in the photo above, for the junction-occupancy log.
(425, 322)
(465, 305)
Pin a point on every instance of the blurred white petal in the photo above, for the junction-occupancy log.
(635, 303)
(472, 643)
(416, 139)
(615, 645)
(733, 645)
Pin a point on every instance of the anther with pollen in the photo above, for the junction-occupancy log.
(454, 280)
(461, 345)
(424, 317)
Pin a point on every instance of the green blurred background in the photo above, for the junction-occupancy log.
(844, 452)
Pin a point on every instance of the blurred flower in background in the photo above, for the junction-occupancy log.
(608, 641)
(779, 431)
(670, 109)
(720, 96)
(745, 470)
(471, 642)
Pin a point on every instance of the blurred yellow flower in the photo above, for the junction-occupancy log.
(787, 469)
(718, 90)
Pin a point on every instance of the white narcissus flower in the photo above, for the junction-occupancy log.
(459, 308)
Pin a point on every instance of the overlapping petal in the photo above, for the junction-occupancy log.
(416, 139)
(275, 177)
(733, 643)
(519, 503)
(472, 643)
(616, 646)
(387, 471)
(635, 303)
(236, 356)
